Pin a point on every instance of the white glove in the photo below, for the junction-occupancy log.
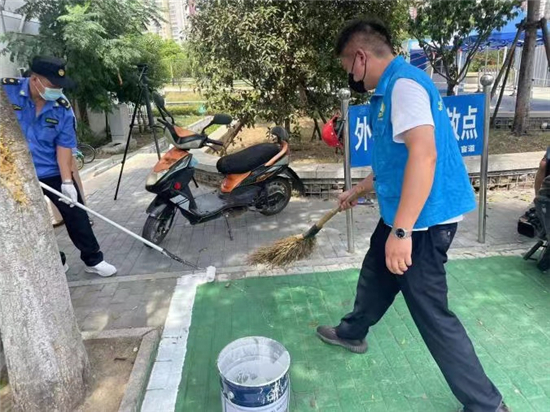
(69, 190)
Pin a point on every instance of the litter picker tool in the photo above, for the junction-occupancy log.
(210, 270)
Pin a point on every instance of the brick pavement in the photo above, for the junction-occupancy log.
(210, 244)
(119, 305)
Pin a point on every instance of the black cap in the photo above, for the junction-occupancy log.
(52, 69)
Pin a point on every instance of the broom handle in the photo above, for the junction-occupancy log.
(334, 212)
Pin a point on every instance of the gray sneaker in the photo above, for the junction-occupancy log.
(502, 408)
(328, 335)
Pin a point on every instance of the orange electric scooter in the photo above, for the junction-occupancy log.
(257, 178)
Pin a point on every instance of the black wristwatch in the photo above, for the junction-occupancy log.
(401, 233)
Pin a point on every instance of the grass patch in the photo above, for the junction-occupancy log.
(504, 141)
(185, 121)
(182, 110)
(184, 97)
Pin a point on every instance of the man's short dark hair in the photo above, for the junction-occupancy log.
(372, 32)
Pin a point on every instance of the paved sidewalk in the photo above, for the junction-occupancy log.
(118, 305)
(209, 244)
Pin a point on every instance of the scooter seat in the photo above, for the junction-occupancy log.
(247, 159)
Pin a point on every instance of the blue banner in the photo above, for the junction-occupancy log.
(360, 135)
(467, 116)
(466, 113)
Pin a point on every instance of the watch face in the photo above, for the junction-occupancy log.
(400, 233)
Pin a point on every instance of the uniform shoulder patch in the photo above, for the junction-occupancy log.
(64, 103)
(11, 81)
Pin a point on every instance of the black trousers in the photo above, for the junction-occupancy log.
(77, 223)
(424, 287)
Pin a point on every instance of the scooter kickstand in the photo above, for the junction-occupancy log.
(226, 216)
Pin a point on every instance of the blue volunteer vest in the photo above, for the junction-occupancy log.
(452, 194)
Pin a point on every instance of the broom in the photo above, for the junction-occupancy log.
(297, 247)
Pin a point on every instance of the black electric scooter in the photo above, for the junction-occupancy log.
(257, 178)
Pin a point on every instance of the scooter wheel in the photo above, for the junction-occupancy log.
(279, 192)
(157, 227)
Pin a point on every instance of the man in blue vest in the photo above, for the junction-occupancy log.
(48, 123)
(423, 191)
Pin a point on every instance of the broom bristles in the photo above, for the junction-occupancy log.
(283, 252)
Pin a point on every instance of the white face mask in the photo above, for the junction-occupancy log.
(49, 94)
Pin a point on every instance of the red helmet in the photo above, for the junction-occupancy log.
(332, 132)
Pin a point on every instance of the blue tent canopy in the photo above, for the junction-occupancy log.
(498, 39)
(504, 36)
(419, 59)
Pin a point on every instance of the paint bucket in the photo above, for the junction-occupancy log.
(254, 376)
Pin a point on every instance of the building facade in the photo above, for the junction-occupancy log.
(176, 18)
(11, 21)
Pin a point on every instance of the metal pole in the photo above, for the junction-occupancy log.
(344, 95)
(116, 225)
(486, 81)
(150, 116)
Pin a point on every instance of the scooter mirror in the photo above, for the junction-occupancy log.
(221, 118)
(159, 100)
(280, 132)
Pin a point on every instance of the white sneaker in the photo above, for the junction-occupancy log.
(103, 269)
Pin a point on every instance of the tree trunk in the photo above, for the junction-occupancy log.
(47, 363)
(82, 112)
(526, 70)
(316, 130)
(287, 125)
(451, 87)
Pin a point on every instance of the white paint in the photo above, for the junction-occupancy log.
(162, 389)
(255, 372)
(210, 274)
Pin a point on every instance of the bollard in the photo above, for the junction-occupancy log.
(487, 81)
(344, 95)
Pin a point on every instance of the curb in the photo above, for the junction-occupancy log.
(162, 390)
(115, 160)
(228, 273)
(325, 179)
(137, 382)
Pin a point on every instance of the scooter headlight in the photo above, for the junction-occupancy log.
(155, 177)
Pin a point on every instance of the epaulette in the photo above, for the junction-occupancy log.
(64, 103)
(11, 81)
